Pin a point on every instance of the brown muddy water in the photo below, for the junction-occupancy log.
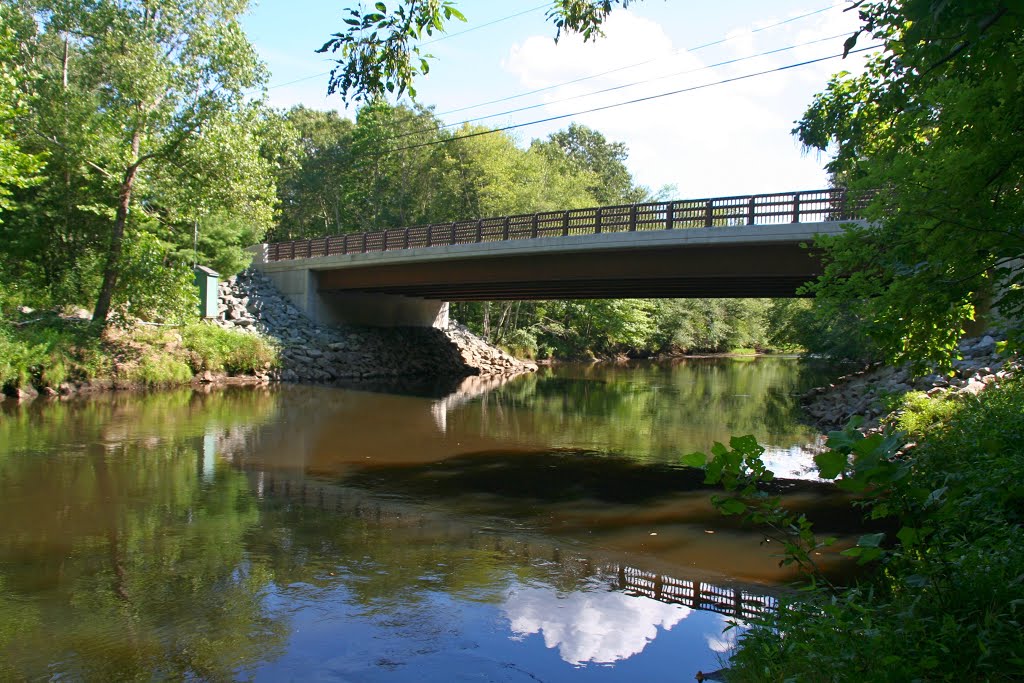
(537, 530)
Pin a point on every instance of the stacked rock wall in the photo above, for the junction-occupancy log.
(315, 353)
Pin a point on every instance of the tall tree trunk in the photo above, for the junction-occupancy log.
(112, 269)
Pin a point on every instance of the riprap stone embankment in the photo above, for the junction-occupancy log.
(871, 392)
(315, 353)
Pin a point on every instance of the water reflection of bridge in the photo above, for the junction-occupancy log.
(743, 602)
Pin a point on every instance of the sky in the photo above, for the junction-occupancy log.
(710, 140)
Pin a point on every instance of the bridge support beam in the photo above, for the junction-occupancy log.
(301, 286)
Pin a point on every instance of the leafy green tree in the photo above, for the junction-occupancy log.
(585, 151)
(143, 109)
(17, 168)
(934, 122)
(312, 192)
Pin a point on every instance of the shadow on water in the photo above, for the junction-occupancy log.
(522, 482)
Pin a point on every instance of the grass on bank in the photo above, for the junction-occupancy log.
(48, 350)
(946, 601)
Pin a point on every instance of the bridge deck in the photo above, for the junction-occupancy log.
(747, 246)
(815, 206)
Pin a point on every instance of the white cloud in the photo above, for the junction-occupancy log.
(598, 627)
(724, 139)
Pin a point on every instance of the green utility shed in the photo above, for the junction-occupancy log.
(206, 281)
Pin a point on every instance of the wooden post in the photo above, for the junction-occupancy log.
(504, 229)
(480, 230)
(597, 222)
(709, 213)
(384, 245)
(565, 224)
(534, 226)
(430, 231)
(632, 218)
(406, 238)
(364, 242)
(293, 250)
(796, 208)
(344, 244)
(670, 215)
(750, 210)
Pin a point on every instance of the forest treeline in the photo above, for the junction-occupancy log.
(136, 144)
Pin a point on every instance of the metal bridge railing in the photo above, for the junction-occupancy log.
(762, 209)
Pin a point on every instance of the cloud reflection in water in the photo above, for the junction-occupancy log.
(590, 627)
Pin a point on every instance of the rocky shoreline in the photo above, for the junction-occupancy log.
(314, 353)
(871, 392)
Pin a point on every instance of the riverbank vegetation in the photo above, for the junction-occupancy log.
(57, 354)
(943, 599)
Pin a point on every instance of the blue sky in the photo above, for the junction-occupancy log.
(725, 139)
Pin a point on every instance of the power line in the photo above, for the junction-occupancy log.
(621, 86)
(634, 101)
(720, 41)
(429, 42)
(490, 23)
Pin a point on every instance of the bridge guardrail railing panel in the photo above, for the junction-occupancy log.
(764, 209)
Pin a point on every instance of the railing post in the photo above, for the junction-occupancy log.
(597, 222)
(293, 250)
(535, 225)
(632, 218)
(480, 230)
(505, 230)
(364, 242)
(430, 234)
(384, 245)
(406, 243)
(565, 224)
(709, 213)
(796, 207)
(670, 215)
(750, 210)
(451, 233)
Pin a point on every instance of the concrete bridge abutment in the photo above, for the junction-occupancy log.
(301, 286)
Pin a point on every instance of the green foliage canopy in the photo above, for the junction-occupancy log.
(934, 123)
(145, 112)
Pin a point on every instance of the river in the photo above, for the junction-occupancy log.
(534, 530)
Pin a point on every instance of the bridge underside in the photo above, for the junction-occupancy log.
(766, 270)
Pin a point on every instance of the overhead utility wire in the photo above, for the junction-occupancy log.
(631, 66)
(618, 87)
(429, 42)
(489, 23)
(635, 101)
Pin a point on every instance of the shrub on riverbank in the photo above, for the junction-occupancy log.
(946, 599)
(47, 351)
(218, 350)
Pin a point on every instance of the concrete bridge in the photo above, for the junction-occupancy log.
(743, 246)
